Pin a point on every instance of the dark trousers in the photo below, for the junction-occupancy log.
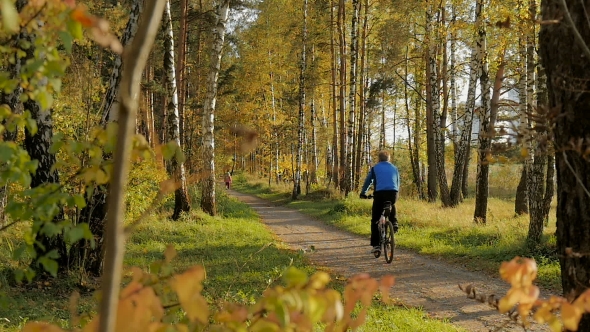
(379, 198)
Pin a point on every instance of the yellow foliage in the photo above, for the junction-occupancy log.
(523, 298)
(300, 305)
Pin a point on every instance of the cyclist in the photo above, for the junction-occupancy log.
(384, 177)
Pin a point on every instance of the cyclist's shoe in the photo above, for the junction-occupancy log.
(375, 249)
(395, 228)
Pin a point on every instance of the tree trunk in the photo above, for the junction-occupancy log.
(566, 60)
(334, 170)
(208, 190)
(521, 202)
(431, 102)
(463, 144)
(342, 93)
(521, 205)
(484, 148)
(175, 167)
(38, 146)
(181, 71)
(352, 96)
(301, 126)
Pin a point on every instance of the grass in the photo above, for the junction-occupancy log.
(426, 228)
(241, 257)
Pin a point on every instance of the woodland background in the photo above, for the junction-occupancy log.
(303, 92)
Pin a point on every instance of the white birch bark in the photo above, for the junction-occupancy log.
(208, 191)
(175, 167)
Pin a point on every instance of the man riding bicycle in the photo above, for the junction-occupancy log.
(384, 177)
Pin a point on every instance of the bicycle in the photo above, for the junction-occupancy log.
(386, 238)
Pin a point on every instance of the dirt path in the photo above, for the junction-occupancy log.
(420, 281)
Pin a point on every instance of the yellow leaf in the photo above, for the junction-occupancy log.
(319, 280)
(555, 325)
(41, 327)
(570, 315)
(169, 253)
(524, 152)
(10, 18)
(188, 287)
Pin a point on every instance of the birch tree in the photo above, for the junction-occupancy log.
(301, 117)
(208, 191)
(175, 167)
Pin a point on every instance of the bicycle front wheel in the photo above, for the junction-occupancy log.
(389, 243)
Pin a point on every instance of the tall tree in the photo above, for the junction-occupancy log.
(301, 117)
(341, 22)
(354, 52)
(333, 69)
(175, 167)
(432, 104)
(208, 192)
(482, 184)
(565, 54)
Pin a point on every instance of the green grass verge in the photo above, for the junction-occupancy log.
(426, 228)
(241, 257)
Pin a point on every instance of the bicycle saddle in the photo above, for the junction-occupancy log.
(386, 208)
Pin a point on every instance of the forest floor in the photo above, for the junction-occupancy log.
(421, 281)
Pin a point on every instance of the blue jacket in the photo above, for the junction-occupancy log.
(386, 177)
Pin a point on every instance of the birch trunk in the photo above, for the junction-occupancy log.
(521, 202)
(334, 178)
(352, 97)
(463, 143)
(482, 184)
(342, 94)
(208, 192)
(301, 126)
(181, 69)
(175, 167)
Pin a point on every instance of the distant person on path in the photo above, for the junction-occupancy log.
(227, 179)
(384, 177)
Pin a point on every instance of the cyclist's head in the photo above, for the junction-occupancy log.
(383, 156)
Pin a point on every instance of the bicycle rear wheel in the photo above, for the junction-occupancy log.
(389, 243)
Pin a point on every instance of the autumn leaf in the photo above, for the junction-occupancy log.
(188, 287)
(41, 327)
(571, 315)
(10, 17)
(80, 14)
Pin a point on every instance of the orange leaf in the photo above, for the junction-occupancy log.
(80, 15)
(570, 315)
(41, 327)
(188, 287)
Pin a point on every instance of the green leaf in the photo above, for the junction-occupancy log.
(169, 150)
(18, 253)
(75, 29)
(68, 40)
(52, 254)
(79, 201)
(56, 68)
(76, 234)
(49, 265)
(19, 275)
(295, 278)
(6, 153)
(45, 99)
(10, 18)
